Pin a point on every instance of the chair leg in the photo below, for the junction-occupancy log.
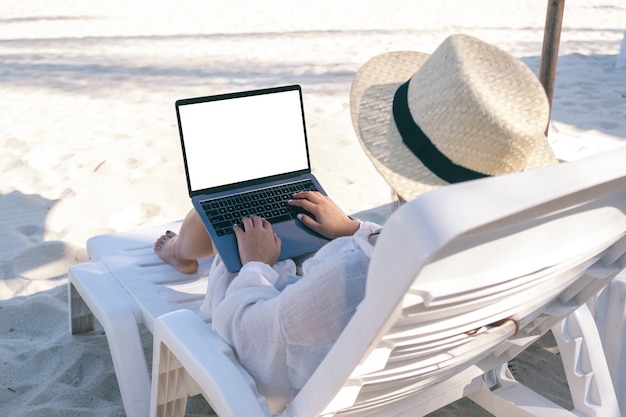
(609, 312)
(171, 384)
(504, 396)
(585, 365)
(111, 305)
(189, 359)
(80, 316)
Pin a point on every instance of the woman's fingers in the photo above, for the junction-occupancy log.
(257, 241)
(311, 201)
(255, 222)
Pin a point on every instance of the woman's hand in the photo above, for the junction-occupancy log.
(257, 241)
(329, 220)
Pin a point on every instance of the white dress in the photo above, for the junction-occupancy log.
(281, 321)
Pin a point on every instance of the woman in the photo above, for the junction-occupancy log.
(467, 111)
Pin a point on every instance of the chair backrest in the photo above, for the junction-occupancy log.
(469, 276)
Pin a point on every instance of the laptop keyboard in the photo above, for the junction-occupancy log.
(269, 203)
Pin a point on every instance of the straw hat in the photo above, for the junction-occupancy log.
(469, 110)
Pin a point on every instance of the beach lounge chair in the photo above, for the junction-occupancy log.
(461, 281)
(124, 286)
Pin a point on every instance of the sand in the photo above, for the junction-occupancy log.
(90, 145)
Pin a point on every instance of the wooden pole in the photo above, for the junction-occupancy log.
(550, 49)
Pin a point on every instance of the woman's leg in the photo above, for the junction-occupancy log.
(183, 250)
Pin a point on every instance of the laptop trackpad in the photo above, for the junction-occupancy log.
(297, 239)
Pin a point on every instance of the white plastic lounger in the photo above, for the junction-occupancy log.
(480, 271)
(124, 286)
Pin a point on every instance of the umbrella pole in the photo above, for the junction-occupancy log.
(550, 49)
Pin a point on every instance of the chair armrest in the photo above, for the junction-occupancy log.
(190, 358)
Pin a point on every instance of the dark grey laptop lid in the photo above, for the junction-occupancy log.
(238, 139)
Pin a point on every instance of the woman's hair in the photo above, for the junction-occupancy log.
(396, 200)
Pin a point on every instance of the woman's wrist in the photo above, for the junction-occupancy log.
(353, 226)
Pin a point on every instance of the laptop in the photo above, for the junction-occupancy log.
(246, 153)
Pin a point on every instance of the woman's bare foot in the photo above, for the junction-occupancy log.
(165, 248)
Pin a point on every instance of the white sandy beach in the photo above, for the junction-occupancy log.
(90, 144)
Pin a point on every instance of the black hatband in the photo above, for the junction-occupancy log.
(417, 141)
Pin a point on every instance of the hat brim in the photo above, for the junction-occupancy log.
(371, 100)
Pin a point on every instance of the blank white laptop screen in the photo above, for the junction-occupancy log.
(244, 138)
